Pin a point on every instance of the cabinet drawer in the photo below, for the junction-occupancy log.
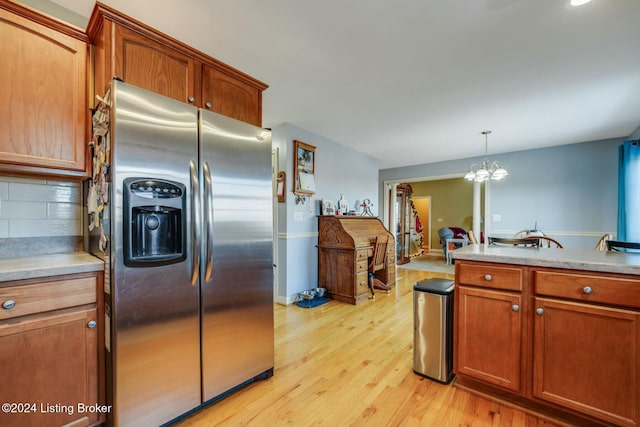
(47, 296)
(361, 265)
(588, 287)
(490, 276)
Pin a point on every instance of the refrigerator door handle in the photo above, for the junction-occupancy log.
(195, 223)
(208, 209)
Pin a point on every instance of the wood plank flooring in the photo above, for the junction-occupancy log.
(345, 365)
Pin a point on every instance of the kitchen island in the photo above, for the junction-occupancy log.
(553, 331)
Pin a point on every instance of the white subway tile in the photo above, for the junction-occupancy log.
(44, 193)
(4, 228)
(63, 211)
(36, 228)
(4, 190)
(24, 179)
(23, 210)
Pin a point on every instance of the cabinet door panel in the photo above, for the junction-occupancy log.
(145, 63)
(585, 358)
(489, 336)
(230, 97)
(43, 97)
(48, 361)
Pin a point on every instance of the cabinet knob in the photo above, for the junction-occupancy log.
(587, 289)
(540, 310)
(9, 304)
(515, 307)
(487, 277)
(92, 324)
(207, 104)
(191, 99)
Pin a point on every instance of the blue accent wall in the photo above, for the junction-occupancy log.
(570, 191)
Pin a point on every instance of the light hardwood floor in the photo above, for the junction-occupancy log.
(345, 365)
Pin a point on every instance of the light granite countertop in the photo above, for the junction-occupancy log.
(573, 259)
(48, 265)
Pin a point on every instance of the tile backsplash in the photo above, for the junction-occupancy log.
(32, 207)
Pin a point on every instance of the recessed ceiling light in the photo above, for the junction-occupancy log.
(579, 2)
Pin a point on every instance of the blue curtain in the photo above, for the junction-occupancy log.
(629, 191)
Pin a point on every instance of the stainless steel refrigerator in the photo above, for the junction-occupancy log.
(186, 226)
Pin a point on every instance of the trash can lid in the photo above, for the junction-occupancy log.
(435, 286)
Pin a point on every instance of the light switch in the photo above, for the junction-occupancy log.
(497, 217)
(297, 216)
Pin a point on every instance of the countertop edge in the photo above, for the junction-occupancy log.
(30, 267)
(573, 259)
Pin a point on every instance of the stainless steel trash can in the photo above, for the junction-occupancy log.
(433, 329)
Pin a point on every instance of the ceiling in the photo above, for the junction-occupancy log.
(417, 81)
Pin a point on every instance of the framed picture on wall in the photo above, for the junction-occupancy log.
(304, 168)
(280, 184)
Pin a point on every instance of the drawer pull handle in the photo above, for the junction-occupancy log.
(207, 104)
(92, 324)
(191, 100)
(540, 311)
(487, 277)
(515, 307)
(587, 289)
(9, 304)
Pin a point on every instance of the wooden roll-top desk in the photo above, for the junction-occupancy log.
(345, 244)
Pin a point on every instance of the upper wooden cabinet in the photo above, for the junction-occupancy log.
(224, 94)
(43, 101)
(144, 57)
(150, 65)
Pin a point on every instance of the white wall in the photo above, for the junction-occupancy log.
(338, 170)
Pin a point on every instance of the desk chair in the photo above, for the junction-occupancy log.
(618, 246)
(377, 263)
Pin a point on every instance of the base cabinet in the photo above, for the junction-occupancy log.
(50, 366)
(557, 342)
(586, 358)
(489, 324)
(48, 369)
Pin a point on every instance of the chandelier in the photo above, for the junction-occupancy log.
(487, 170)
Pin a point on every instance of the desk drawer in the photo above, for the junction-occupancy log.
(362, 279)
(589, 287)
(490, 276)
(363, 254)
(46, 296)
(361, 265)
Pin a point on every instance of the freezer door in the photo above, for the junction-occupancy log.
(155, 348)
(237, 264)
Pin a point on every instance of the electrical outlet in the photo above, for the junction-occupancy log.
(497, 217)
(297, 216)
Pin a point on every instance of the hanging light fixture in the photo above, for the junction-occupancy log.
(487, 170)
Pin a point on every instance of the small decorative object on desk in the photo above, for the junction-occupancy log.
(328, 207)
(366, 207)
(343, 205)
